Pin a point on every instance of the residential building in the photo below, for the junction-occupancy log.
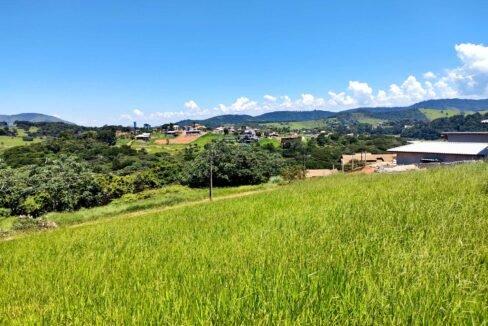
(439, 152)
(144, 136)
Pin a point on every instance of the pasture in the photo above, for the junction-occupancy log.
(9, 142)
(297, 125)
(433, 114)
(160, 142)
(408, 248)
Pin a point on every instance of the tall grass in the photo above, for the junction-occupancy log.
(379, 249)
(148, 200)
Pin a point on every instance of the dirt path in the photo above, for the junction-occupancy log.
(151, 211)
(181, 139)
(143, 212)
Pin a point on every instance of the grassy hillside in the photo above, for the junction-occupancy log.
(298, 125)
(153, 146)
(385, 249)
(150, 199)
(9, 141)
(31, 117)
(362, 118)
(207, 138)
(432, 114)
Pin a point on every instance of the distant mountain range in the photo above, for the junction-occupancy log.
(30, 117)
(425, 110)
(412, 112)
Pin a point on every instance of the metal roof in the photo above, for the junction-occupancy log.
(440, 147)
(144, 135)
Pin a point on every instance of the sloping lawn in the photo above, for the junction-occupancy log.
(408, 248)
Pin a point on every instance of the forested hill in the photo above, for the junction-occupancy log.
(412, 112)
(276, 116)
(29, 117)
(454, 103)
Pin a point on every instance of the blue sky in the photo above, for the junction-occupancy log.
(96, 62)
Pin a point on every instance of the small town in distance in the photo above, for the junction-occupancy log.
(218, 201)
(451, 147)
(244, 162)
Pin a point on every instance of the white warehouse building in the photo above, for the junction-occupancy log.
(439, 152)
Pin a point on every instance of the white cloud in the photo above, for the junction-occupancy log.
(243, 104)
(413, 89)
(341, 99)
(429, 75)
(138, 113)
(269, 98)
(474, 56)
(309, 101)
(469, 80)
(361, 92)
(286, 102)
(167, 115)
(192, 105)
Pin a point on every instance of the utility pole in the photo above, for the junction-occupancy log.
(211, 175)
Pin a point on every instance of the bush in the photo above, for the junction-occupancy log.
(33, 205)
(5, 212)
(278, 179)
(24, 223)
(27, 223)
(293, 172)
(59, 185)
(233, 165)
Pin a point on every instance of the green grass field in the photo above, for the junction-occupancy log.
(298, 125)
(273, 141)
(361, 118)
(408, 248)
(9, 142)
(152, 147)
(433, 114)
(150, 199)
(207, 138)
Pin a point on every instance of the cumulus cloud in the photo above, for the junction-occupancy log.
(474, 56)
(341, 100)
(429, 75)
(269, 98)
(309, 101)
(361, 92)
(241, 104)
(469, 79)
(192, 105)
(138, 113)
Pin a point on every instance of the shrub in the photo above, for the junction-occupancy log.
(233, 165)
(277, 179)
(293, 172)
(33, 205)
(27, 223)
(59, 185)
(5, 212)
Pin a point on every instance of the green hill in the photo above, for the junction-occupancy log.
(30, 117)
(433, 114)
(357, 249)
(371, 115)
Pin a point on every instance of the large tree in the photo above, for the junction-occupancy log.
(232, 165)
